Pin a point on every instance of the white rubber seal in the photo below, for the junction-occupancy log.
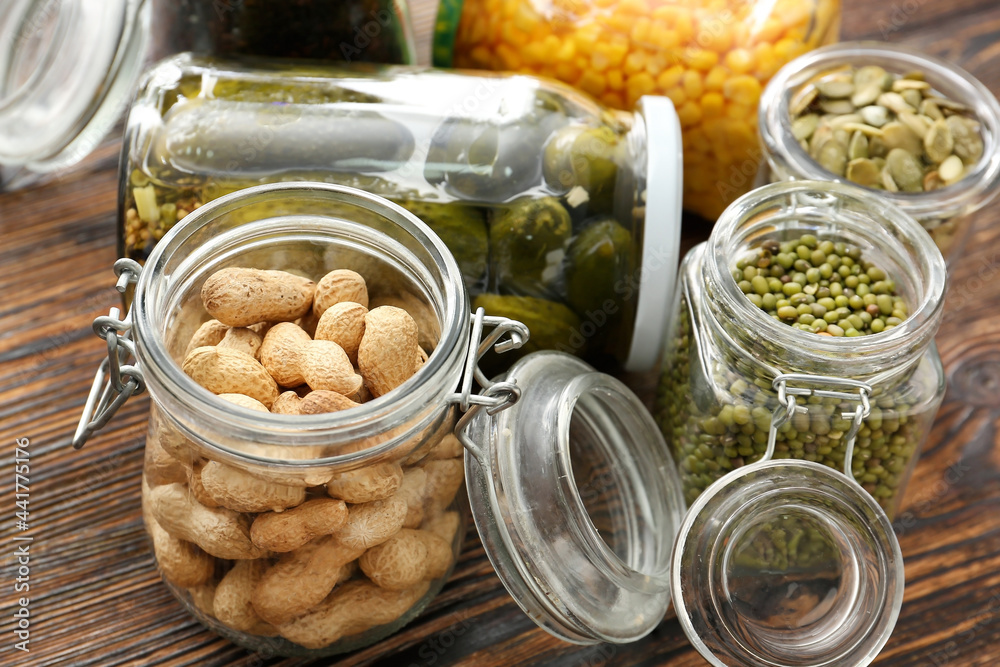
(661, 232)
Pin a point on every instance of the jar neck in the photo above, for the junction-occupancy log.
(66, 71)
(830, 211)
(787, 159)
(319, 228)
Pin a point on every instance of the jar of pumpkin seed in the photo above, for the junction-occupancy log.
(804, 288)
(920, 131)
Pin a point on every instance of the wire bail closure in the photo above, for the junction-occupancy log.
(115, 381)
(788, 406)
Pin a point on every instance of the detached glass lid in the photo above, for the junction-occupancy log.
(781, 563)
(576, 500)
(789, 563)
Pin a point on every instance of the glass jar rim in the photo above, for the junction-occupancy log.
(973, 191)
(928, 272)
(168, 383)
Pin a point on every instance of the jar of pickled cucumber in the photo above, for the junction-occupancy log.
(315, 520)
(562, 214)
(920, 131)
(801, 286)
(711, 58)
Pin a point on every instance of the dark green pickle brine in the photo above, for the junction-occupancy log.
(532, 186)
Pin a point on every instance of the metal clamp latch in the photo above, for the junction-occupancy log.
(115, 381)
(791, 385)
(496, 396)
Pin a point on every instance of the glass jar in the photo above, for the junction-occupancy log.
(728, 363)
(712, 59)
(946, 213)
(542, 195)
(551, 433)
(358, 31)
(69, 67)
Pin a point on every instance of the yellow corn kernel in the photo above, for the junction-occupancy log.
(508, 56)
(676, 96)
(593, 83)
(534, 53)
(620, 22)
(639, 7)
(663, 38)
(670, 77)
(635, 62)
(615, 52)
(640, 84)
(599, 61)
(689, 114)
(613, 100)
(656, 64)
(716, 78)
(510, 34)
(743, 89)
(715, 35)
(616, 80)
(767, 62)
(740, 61)
(770, 31)
(693, 86)
(784, 50)
(567, 72)
(567, 51)
(640, 31)
(712, 104)
(701, 59)
(481, 56)
(525, 17)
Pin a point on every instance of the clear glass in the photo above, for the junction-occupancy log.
(712, 59)
(576, 501)
(67, 68)
(716, 399)
(205, 545)
(946, 213)
(538, 191)
(787, 563)
(357, 31)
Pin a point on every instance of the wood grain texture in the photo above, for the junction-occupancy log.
(95, 595)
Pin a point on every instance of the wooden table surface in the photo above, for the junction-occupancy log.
(96, 599)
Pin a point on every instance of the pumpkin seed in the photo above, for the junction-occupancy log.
(951, 170)
(887, 181)
(931, 110)
(869, 74)
(875, 116)
(836, 106)
(836, 88)
(897, 135)
(899, 85)
(916, 123)
(833, 157)
(802, 100)
(968, 143)
(858, 147)
(932, 181)
(863, 96)
(877, 148)
(951, 105)
(866, 130)
(912, 97)
(863, 172)
(938, 142)
(804, 126)
(894, 102)
(906, 172)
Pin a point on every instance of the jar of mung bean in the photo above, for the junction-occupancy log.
(712, 58)
(920, 131)
(805, 283)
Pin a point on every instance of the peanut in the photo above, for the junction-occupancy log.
(290, 530)
(321, 401)
(371, 524)
(352, 608)
(326, 366)
(398, 563)
(387, 356)
(287, 403)
(244, 402)
(240, 297)
(428, 327)
(448, 448)
(210, 333)
(181, 563)
(242, 492)
(364, 485)
(220, 532)
(281, 351)
(412, 492)
(439, 554)
(224, 371)
(443, 525)
(301, 579)
(170, 439)
(344, 324)
(160, 467)
(444, 478)
(203, 597)
(232, 603)
(338, 286)
(196, 488)
(243, 340)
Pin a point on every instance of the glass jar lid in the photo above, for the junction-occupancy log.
(576, 500)
(789, 562)
(67, 69)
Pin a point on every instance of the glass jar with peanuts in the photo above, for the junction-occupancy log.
(920, 131)
(309, 349)
(712, 58)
